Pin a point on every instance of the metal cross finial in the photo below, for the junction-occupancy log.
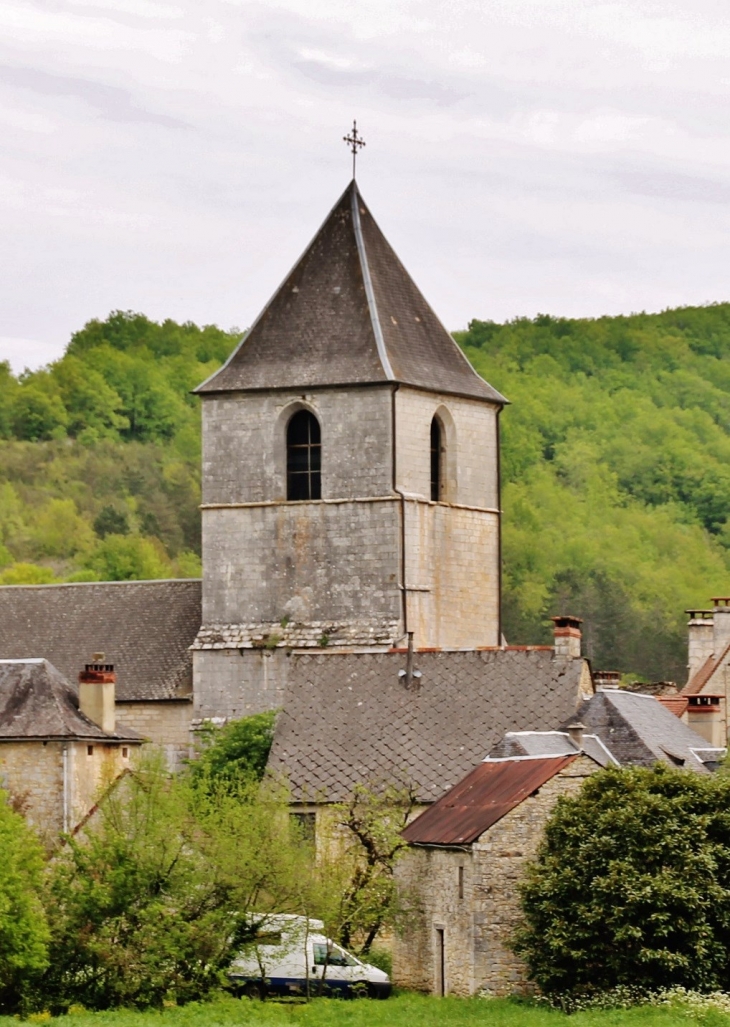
(355, 142)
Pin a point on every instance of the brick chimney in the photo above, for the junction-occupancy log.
(97, 686)
(607, 678)
(701, 643)
(720, 623)
(567, 636)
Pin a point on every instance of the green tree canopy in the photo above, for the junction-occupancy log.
(631, 886)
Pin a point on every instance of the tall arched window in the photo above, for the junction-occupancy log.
(436, 462)
(303, 457)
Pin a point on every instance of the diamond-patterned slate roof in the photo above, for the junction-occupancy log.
(348, 718)
(143, 627)
(349, 313)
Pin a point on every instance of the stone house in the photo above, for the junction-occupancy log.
(468, 850)
(60, 747)
(145, 629)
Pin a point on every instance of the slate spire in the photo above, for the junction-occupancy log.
(349, 314)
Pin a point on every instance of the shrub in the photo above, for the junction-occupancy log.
(631, 886)
(23, 928)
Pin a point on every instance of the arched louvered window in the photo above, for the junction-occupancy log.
(436, 461)
(303, 457)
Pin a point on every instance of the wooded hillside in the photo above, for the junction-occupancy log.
(615, 465)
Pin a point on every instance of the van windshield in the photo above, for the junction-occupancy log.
(337, 956)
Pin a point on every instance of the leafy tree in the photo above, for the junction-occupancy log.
(631, 886)
(111, 521)
(154, 900)
(38, 414)
(129, 558)
(23, 930)
(27, 574)
(235, 753)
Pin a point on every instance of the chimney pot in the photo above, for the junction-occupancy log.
(606, 678)
(567, 635)
(97, 688)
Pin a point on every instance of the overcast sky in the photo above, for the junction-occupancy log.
(175, 156)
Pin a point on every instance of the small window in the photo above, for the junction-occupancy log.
(306, 826)
(89, 750)
(125, 752)
(303, 457)
(461, 882)
(436, 471)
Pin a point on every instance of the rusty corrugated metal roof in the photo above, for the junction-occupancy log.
(482, 798)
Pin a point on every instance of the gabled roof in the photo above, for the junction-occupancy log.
(143, 627)
(639, 730)
(482, 798)
(349, 313)
(348, 718)
(37, 702)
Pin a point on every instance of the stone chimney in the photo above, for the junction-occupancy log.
(575, 733)
(97, 687)
(607, 678)
(701, 630)
(567, 636)
(720, 623)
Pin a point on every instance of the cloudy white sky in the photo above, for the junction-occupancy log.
(175, 156)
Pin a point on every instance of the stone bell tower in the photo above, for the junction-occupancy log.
(350, 476)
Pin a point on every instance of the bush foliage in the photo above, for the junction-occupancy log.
(631, 886)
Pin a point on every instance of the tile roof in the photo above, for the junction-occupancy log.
(639, 730)
(36, 701)
(482, 798)
(348, 718)
(349, 314)
(143, 627)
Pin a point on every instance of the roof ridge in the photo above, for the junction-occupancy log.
(132, 581)
(368, 283)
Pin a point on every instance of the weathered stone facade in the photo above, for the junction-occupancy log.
(372, 558)
(56, 783)
(468, 897)
(166, 723)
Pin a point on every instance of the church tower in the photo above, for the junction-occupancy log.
(350, 476)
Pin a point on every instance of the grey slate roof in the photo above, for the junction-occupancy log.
(348, 718)
(143, 627)
(36, 701)
(349, 313)
(639, 731)
(550, 743)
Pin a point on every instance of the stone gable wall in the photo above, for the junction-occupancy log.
(166, 725)
(477, 929)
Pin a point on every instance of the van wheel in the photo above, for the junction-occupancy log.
(255, 990)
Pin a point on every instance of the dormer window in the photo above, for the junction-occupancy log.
(436, 462)
(303, 457)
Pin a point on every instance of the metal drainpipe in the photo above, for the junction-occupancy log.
(500, 635)
(399, 492)
(64, 758)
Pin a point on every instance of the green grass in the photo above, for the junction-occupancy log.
(406, 1010)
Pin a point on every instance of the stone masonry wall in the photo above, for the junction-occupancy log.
(429, 879)
(478, 930)
(244, 443)
(165, 724)
(33, 775)
(230, 683)
(452, 574)
(469, 443)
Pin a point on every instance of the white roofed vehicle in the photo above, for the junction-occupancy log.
(291, 954)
